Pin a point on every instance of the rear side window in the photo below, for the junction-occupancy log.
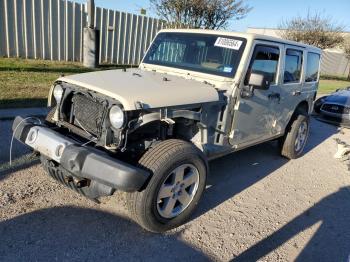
(313, 61)
(265, 62)
(293, 66)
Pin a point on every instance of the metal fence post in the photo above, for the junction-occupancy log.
(91, 39)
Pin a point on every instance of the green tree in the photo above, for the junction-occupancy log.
(210, 14)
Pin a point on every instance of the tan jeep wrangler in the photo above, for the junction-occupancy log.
(150, 131)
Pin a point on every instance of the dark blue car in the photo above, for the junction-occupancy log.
(335, 108)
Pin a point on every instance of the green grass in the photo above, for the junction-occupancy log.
(329, 86)
(334, 77)
(26, 83)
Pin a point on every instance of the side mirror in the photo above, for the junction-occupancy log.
(259, 81)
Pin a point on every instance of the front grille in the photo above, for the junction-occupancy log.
(89, 113)
(336, 109)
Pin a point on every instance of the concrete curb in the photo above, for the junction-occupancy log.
(9, 114)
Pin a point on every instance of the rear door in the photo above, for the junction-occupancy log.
(312, 72)
(290, 88)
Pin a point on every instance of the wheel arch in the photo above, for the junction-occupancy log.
(302, 108)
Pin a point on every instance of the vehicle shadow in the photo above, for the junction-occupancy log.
(232, 174)
(79, 234)
(21, 154)
(24, 162)
(23, 103)
(329, 243)
(318, 133)
(18, 149)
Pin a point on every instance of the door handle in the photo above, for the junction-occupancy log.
(297, 93)
(274, 96)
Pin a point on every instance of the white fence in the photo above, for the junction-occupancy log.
(334, 63)
(53, 29)
(124, 37)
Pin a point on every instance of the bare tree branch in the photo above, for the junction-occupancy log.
(211, 14)
(314, 29)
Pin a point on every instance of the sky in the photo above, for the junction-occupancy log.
(265, 13)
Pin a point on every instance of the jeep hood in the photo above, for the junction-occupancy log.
(152, 89)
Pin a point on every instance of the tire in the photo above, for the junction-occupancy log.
(146, 207)
(289, 148)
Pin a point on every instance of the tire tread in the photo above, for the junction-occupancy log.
(287, 147)
(152, 160)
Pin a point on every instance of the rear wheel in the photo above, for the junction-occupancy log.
(178, 180)
(293, 143)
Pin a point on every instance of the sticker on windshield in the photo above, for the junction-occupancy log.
(228, 43)
(227, 69)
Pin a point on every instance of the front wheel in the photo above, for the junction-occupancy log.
(179, 172)
(293, 143)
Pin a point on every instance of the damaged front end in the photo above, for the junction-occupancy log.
(88, 115)
(87, 170)
(92, 145)
(77, 142)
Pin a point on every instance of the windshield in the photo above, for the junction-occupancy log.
(212, 54)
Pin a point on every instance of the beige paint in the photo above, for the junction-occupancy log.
(147, 87)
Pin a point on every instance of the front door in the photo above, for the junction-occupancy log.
(254, 116)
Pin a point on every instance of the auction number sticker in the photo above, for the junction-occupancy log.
(228, 43)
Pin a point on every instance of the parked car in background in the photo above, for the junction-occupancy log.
(335, 108)
(150, 131)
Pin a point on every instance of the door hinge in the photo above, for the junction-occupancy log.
(233, 133)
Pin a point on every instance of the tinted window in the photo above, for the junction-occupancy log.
(264, 61)
(219, 55)
(293, 65)
(313, 61)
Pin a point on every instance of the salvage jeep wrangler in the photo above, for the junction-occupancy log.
(150, 131)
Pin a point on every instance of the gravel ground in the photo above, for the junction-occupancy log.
(258, 206)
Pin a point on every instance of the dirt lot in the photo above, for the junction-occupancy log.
(258, 206)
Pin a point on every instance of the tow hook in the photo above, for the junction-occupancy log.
(82, 183)
(79, 183)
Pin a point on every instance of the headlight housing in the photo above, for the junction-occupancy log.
(116, 116)
(58, 93)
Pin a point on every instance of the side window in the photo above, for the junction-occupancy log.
(293, 65)
(265, 62)
(313, 62)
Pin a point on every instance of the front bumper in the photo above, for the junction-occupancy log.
(334, 120)
(345, 117)
(80, 161)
